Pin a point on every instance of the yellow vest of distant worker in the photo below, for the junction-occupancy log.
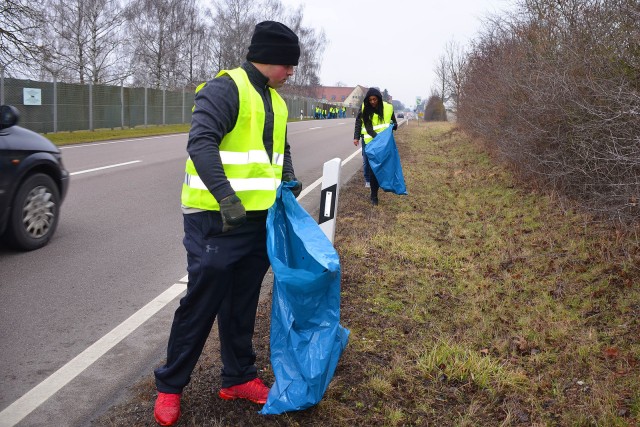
(253, 176)
(379, 124)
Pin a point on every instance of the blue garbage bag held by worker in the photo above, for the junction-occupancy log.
(384, 161)
(306, 336)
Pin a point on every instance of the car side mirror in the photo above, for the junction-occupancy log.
(9, 116)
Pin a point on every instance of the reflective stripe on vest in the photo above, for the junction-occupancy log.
(378, 125)
(253, 176)
(194, 181)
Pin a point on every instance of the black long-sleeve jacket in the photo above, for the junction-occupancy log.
(216, 111)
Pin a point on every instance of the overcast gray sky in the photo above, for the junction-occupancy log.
(393, 45)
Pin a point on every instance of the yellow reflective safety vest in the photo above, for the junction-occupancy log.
(253, 176)
(379, 124)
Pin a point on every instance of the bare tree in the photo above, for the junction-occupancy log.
(234, 21)
(312, 45)
(441, 69)
(104, 48)
(19, 22)
(456, 63)
(159, 33)
(68, 37)
(84, 40)
(450, 73)
(198, 50)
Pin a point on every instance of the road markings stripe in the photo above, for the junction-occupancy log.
(105, 167)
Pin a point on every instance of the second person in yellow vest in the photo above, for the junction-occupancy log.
(374, 117)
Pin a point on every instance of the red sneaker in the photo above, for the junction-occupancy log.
(253, 390)
(167, 409)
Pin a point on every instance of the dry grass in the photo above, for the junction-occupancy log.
(474, 301)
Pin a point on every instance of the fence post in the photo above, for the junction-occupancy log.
(1, 85)
(164, 106)
(122, 104)
(90, 106)
(145, 105)
(55, 103)
(183, 105)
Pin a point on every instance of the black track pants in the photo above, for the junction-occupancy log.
(225, 275)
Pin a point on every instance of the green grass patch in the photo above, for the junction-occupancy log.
(454, 362)
(82, 136)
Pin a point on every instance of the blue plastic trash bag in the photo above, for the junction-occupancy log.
(384, 160)
(306, 337)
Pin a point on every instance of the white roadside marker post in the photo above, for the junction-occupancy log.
(329, 197)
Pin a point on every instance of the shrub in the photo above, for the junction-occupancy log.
(434, 111)
(556, 90)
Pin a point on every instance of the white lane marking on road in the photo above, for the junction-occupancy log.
(105, 167)
(26, 404)
(348, 159)
(35, 397)
(119, 141)
(308, 189)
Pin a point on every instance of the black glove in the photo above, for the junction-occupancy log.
(232, 212)
(297, 188)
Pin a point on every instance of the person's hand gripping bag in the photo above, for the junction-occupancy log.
(306, 336)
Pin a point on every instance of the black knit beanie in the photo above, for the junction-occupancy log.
(274, 43)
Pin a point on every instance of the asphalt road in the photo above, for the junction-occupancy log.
(68, 345)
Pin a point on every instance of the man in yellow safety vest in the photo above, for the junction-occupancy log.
(238, 155)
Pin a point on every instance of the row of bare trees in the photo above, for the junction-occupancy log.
(156, 43)
(555, 89)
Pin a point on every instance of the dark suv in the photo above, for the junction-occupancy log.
(33, 184)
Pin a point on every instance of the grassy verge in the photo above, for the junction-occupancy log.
(473, 301)
(81, 136)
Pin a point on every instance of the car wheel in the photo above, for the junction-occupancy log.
(34, 214)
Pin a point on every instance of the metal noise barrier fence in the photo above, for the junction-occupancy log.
(57, 107)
